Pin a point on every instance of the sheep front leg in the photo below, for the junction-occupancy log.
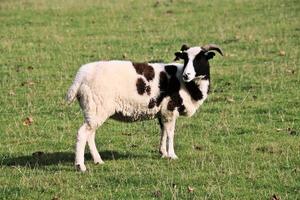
(168, 128)
(163, 140)
(93, 149)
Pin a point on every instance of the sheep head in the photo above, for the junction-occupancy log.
(195, 59)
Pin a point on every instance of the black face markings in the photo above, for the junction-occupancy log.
(145, 70)
(171, 70)
(181, 55)
(202, 68)
(194, 90)
(201, 65)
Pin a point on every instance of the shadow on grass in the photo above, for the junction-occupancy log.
(44, 159)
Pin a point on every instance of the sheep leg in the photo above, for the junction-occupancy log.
(163, 140)
(169, 127)
(167, 138)
(163, 144)
(82, 137)
(93, 149)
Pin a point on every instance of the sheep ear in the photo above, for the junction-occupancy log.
(209, 55)
(184, 47)
(178, 56)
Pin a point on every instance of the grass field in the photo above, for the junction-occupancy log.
(243, 143)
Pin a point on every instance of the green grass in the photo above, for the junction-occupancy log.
(243, 143)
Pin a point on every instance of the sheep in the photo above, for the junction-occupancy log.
(129, 91)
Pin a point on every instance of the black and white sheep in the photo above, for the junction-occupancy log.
(128, 91)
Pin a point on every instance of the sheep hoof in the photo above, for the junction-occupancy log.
(99, 162)
(81, 168)
(163, 153)
(173, 157)
(164, 156)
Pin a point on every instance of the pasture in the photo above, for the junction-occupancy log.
(243, 143)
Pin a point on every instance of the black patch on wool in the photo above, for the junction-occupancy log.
(163, 82)
(171, 70)
(140, 86)
(170, 87)
(152, 103)
(176, 101)
(145, 70)
(194, 90)
(163, 87)
(181, 109)
(148, 89)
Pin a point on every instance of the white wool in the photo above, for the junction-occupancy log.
(109, 87)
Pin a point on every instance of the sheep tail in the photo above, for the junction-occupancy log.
(73, 90)
(72, 93)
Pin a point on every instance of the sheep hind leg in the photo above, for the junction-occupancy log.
(82, 137)
(93, 149)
